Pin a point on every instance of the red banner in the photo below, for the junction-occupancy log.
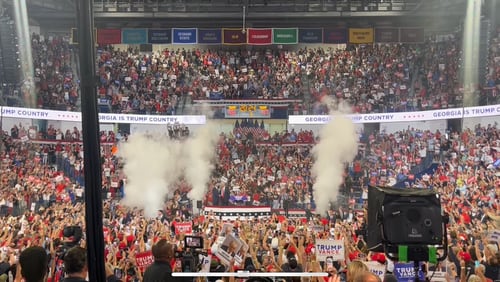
(109, 36)
(260, 36)
(143, 260)
(183, 227)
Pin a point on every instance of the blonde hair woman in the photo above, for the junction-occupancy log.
(355, 267)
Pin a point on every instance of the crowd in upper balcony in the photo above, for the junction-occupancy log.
(372, 78)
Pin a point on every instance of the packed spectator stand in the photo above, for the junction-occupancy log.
(42, 172)
(374, 78)
(41, 180)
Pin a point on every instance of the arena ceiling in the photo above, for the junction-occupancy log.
(434, 14)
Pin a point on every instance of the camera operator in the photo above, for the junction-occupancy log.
(75, 265)
(161, 269)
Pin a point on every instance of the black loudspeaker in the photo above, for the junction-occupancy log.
(199, 204)
(374, 233)
(415, 220)
(403, 217)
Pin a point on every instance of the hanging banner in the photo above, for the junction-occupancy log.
(411, 35)
(310, 35)
(134, 36)
(361, 35)
(386, 35)
(160, 36)
(210, 36)
(184, 36)
(233, 36)
(226, 213)
(109, 36)
(259, 36)
(285, 36)
(334, 35)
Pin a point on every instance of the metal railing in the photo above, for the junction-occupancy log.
(267, 5)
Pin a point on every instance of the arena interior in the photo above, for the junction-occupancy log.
(261, 140)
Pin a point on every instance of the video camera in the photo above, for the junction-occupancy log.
(189, 256)
(71, 238)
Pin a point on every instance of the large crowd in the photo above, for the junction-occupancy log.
(272, 170)
(42, 186)
(373, 78)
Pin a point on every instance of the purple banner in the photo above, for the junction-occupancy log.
(210, 36)
(233, 36)
(335, 35)
(386, 35)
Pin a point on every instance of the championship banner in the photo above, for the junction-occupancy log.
(259, 36)
(183, 227)
(160, 36)
(361, 35)
(405, 272)
(376, 268)
(143, 260)
(386, 35)
(411, 35)
(285, 36)
(334, 35)
(109, 36)
(184, 36)
(330, 248)
(210, 36)
(233, 36)
(134, 36)
(310, 35)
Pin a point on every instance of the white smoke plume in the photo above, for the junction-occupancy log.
(151, 167)
(154, 164)
(338, 144)
(199, 154)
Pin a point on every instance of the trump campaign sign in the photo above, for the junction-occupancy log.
(330, 248)
(405, 272)
(183, 227)
(376, 268)
(144, 259)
